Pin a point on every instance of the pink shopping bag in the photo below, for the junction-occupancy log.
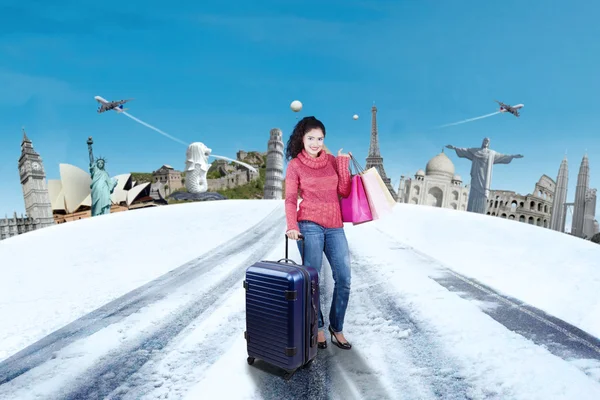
(377, 193)
(355, 207)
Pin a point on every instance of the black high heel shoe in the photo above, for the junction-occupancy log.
(322, 345)
(334, 340)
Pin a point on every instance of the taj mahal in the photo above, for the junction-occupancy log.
(437, 186)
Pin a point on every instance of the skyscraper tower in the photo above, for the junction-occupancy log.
(274, 173)
(589, 228)
(35, 188)
(583, 182)
(374, 158)
(559, 212)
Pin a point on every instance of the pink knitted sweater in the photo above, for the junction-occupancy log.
(320, 181)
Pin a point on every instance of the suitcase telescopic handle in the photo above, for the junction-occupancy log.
(301, 237)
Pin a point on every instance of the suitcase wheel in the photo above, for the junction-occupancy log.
(288, 375)
(308, 364)
(250, 360)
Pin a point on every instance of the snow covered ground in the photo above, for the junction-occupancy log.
(149, 304)
(53, 276)
(555, 272)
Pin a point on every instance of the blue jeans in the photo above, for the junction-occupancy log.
(332, 241)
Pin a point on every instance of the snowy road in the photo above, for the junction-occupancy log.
(559, 337)
(418, 332)
(106, 347)
(132, 302)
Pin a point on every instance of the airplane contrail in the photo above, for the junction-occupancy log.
(153, 128)
(184, 143)
(469, 120)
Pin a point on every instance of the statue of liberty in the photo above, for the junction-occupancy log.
(102, 185)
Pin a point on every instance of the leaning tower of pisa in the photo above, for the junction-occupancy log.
(274, 173)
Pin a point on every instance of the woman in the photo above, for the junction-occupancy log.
(321, 179)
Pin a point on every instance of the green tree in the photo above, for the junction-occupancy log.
(596, 238)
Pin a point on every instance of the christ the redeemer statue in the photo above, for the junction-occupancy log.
(482, 158)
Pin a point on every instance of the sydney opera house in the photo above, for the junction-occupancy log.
(71, 195)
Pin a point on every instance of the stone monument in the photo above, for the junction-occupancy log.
(102, 185)
(274, 174)
(482, 160)
(196, 167)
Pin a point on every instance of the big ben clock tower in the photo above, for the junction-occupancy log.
(35, 188)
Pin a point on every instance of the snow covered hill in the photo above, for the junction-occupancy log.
(148, 304)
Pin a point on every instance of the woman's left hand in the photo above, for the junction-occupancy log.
(340, 154)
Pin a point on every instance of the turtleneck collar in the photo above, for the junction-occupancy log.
(316, 163)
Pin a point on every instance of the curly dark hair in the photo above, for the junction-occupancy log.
(294, 144)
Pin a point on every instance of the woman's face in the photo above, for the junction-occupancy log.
(313, 141)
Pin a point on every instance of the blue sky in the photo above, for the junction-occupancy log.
(224, 73)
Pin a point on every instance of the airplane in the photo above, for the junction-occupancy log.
(514, 110)
(106, 105)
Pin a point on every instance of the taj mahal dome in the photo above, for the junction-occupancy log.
(437, 186)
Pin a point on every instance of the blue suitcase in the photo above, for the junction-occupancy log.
(282, 300)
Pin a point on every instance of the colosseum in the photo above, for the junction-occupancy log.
(534, 208)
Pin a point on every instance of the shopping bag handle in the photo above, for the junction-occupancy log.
(357, 167)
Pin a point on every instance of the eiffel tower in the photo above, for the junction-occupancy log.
(374, 159)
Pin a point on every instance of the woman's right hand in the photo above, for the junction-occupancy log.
(293, 234)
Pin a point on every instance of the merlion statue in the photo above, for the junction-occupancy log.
(196, 167)
(482, 159)
(102, 185)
